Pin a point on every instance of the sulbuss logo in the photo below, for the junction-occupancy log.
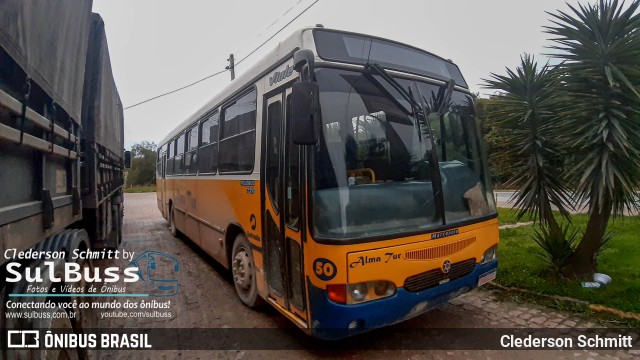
(159, 272)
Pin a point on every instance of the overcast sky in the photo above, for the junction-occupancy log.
(159, 45)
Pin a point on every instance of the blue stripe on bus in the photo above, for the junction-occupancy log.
(331, 320)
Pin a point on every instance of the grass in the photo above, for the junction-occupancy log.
(140, 189)
(506, 216)
(520, 266)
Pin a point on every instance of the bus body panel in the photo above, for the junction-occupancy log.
(205, 208)
(359, 262)
(334, 321)
(396, 263)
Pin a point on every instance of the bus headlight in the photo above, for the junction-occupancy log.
(368, 291)
(358, 291)
(490, 255)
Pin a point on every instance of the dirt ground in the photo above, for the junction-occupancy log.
(206, 299)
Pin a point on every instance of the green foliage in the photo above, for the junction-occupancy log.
(600, 48)
(508, 216)
(140, 189)
(555, 247)
(521, 268)
(584, 112)
(526, 112)
(496, 140)
(143, 164)
(599, 45)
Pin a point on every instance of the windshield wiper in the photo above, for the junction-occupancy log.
(443, 99)
(379, 70)
(416, 109)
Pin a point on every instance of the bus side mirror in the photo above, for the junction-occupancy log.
(304, 113)
(303, 62)
(127, 159)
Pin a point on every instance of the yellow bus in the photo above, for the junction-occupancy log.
(341, 179)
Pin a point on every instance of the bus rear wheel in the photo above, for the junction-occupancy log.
(244, 273)
(172, 222)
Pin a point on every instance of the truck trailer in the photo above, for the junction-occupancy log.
(62, 155)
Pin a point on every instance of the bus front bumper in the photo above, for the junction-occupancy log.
(331, 320)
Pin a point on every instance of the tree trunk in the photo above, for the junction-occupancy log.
(550, 220)
(582, 264)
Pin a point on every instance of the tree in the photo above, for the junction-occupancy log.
(494, 136)
(600, 48)
(526, 112)
(591, 103)
(143, 164)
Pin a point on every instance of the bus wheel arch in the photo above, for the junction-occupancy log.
(230, 235)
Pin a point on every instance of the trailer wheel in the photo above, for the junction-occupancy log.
(58, 320)
(51, 318)
(86, 318)
(72, 240)
(244, 273)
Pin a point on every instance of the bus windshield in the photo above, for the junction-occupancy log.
(373, 170)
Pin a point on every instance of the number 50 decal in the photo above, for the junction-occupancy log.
(324, 269)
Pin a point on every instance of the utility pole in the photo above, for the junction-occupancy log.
(231, 67)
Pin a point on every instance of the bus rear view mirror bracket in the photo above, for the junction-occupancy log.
(304, 113)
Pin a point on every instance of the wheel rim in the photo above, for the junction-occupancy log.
(242, 270)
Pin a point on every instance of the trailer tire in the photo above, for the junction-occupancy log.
(59, 321)
(51, 318)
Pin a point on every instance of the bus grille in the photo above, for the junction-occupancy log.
(433, 278)
(436, 252)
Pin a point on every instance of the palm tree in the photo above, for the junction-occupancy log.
(599, 46)
(525, 111)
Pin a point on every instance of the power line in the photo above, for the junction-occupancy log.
(277, 32)
(220, 72)
(268, 27)
(176, 90)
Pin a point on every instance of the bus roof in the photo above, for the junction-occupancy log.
(284, 49)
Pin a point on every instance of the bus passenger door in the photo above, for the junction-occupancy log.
(283, 245)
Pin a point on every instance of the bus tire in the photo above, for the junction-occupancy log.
(172, 222)
(244, 273)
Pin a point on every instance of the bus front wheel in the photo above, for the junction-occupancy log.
(244, 273)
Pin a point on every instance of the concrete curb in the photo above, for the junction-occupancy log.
(563, 299)
(571, 301)
(516, 225)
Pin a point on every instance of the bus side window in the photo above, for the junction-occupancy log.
(170, 154)
(191, 156)
(178, 164)
(208, 163)
(238, 140)
(159, 162)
